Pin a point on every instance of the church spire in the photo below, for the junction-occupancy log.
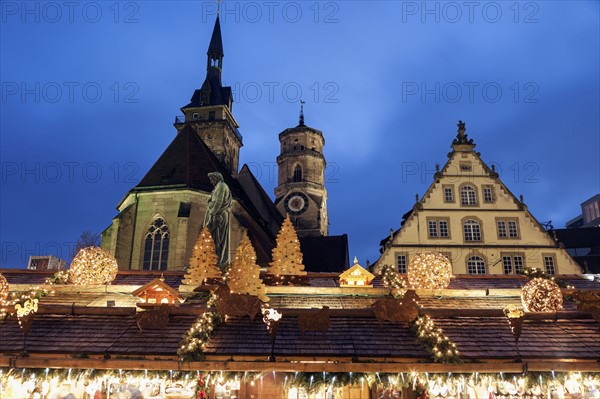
(215, 51)
(301, 121)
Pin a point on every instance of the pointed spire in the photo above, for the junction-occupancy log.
(301, 122)
(216, 42)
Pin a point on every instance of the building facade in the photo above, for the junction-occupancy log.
(470, 216)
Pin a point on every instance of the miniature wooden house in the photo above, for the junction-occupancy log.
(157, 292)
(356, 276)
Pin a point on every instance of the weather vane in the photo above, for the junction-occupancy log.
(219, 6)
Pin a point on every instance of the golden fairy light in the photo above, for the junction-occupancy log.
(541, 295)
(3, 289)
(244, 274)
(287, 256)
(93, 266)
(429, 270)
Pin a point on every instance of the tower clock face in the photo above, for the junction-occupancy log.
(296, 203)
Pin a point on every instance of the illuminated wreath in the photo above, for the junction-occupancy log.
(93, 266)
(541, 295)
(429, 270)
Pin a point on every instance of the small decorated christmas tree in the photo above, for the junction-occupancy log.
(244, 273)
(287, 256)
(203, 262)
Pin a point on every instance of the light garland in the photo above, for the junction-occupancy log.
(195, 339)
(60, 277)
(391, 278)
(20, 298)
(541, 295)
(429, 270)
(93, 266)
(3, 290)
(23, 383)
(433, 338)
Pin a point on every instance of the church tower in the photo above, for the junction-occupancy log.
(209, 110)
(301, 179)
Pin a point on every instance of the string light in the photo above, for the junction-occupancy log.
(391, 278)
(244, 273)
(432, 337)
(429, 270)
(191, 347)
(3, 289)
(287, 256)
(93, 266)
(541, 295)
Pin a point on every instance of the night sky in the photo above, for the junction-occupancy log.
(90, 91)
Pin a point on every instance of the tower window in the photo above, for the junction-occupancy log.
(195, 115)
(156, 246)
(211, 115)
(298, 173)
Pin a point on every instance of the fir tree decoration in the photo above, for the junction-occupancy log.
(203, 262)
(244, 274)
(93, 266)
(287, 256)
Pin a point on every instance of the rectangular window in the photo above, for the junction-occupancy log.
(448, 194)
(433, 230)
(512, 263)
(211, 115)
(513, 232)
(549, 264)
(465, 166)
(508, 228)
(438, 228)
(488, 194)
(502, 229)
(195, 115)
(402, 262)
(443, 226)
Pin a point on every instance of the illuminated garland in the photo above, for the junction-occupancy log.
(391, 278)
(534, 272)
(429, 270)
(20, 298)
(93, 266)
(60, 277)
(432, 337)
(28, 382)
(541, 295)
(3, 289)
(195, 339)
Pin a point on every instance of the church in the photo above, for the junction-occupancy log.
(159, 220)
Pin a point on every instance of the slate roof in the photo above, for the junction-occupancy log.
(325, 254)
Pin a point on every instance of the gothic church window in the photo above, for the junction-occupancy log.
(156, 246)
(297, 174)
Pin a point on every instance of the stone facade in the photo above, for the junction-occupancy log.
(470, 216)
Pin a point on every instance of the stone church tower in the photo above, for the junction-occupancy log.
(301, 189)
(209, 112)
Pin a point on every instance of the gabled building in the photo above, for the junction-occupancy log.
(470, 216)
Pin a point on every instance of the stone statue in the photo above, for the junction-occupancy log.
(217, 217)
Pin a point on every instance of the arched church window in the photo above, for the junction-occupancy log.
(298, 173)
(156, 246)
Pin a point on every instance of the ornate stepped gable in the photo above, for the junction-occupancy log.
(469, 213)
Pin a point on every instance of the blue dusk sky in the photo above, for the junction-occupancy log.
(90, 91)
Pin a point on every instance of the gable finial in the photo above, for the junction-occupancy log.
(461, 137)
(301, 113)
